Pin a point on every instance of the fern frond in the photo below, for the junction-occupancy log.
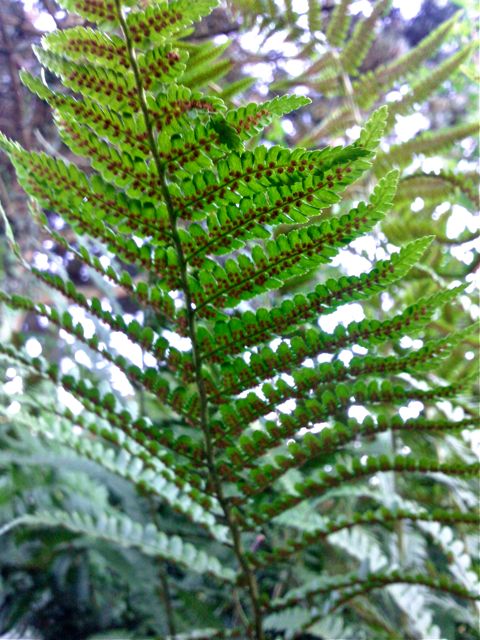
(98, 11)
(123, 531)
(262, 195)
(383, 517)
(204, 66)
(106, 123)
(119, 169)
(159, 22)
(292, 254)
(355, 585)
(358, 45)
(234, 88)
(268, 172)
(142, 292)
(325, 403)
(339, 23)
(146, 472)
(310, 447)
(239, 376)
(65, 189)
(93, 82)
(337, 120)
(231, 336)
(158, 441)
(144, 337)
(436, 188)
(200, 223)
(65, 322)
(326, 63)
(427, 143)
(251, 119)
(328, 83)
(359, 469)
(307, 379)
(373, 129)
(82, 44)
(149, 451)
(422, 89)
(373, 83)
(314, 16)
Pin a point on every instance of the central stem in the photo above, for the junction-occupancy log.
(256, 631)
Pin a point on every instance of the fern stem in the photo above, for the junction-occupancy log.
(399, 525)
(349, 92)
(163, 588)
(249, 575)
(167, 601)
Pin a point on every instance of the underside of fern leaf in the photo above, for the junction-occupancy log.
(260, 398)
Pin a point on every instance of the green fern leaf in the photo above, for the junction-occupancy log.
(359, 470)
(370, 85)
(237, 430)
(384, 517)
(357, 47)
(292, 254)
(421, 90)
(231, 336)
(428, 144)
(158, 22)
(99, 11)
(339, 23)
(121, 530)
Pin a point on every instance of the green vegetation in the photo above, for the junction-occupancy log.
(236, 491)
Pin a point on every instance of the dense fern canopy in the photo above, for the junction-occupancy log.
(268, 507)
